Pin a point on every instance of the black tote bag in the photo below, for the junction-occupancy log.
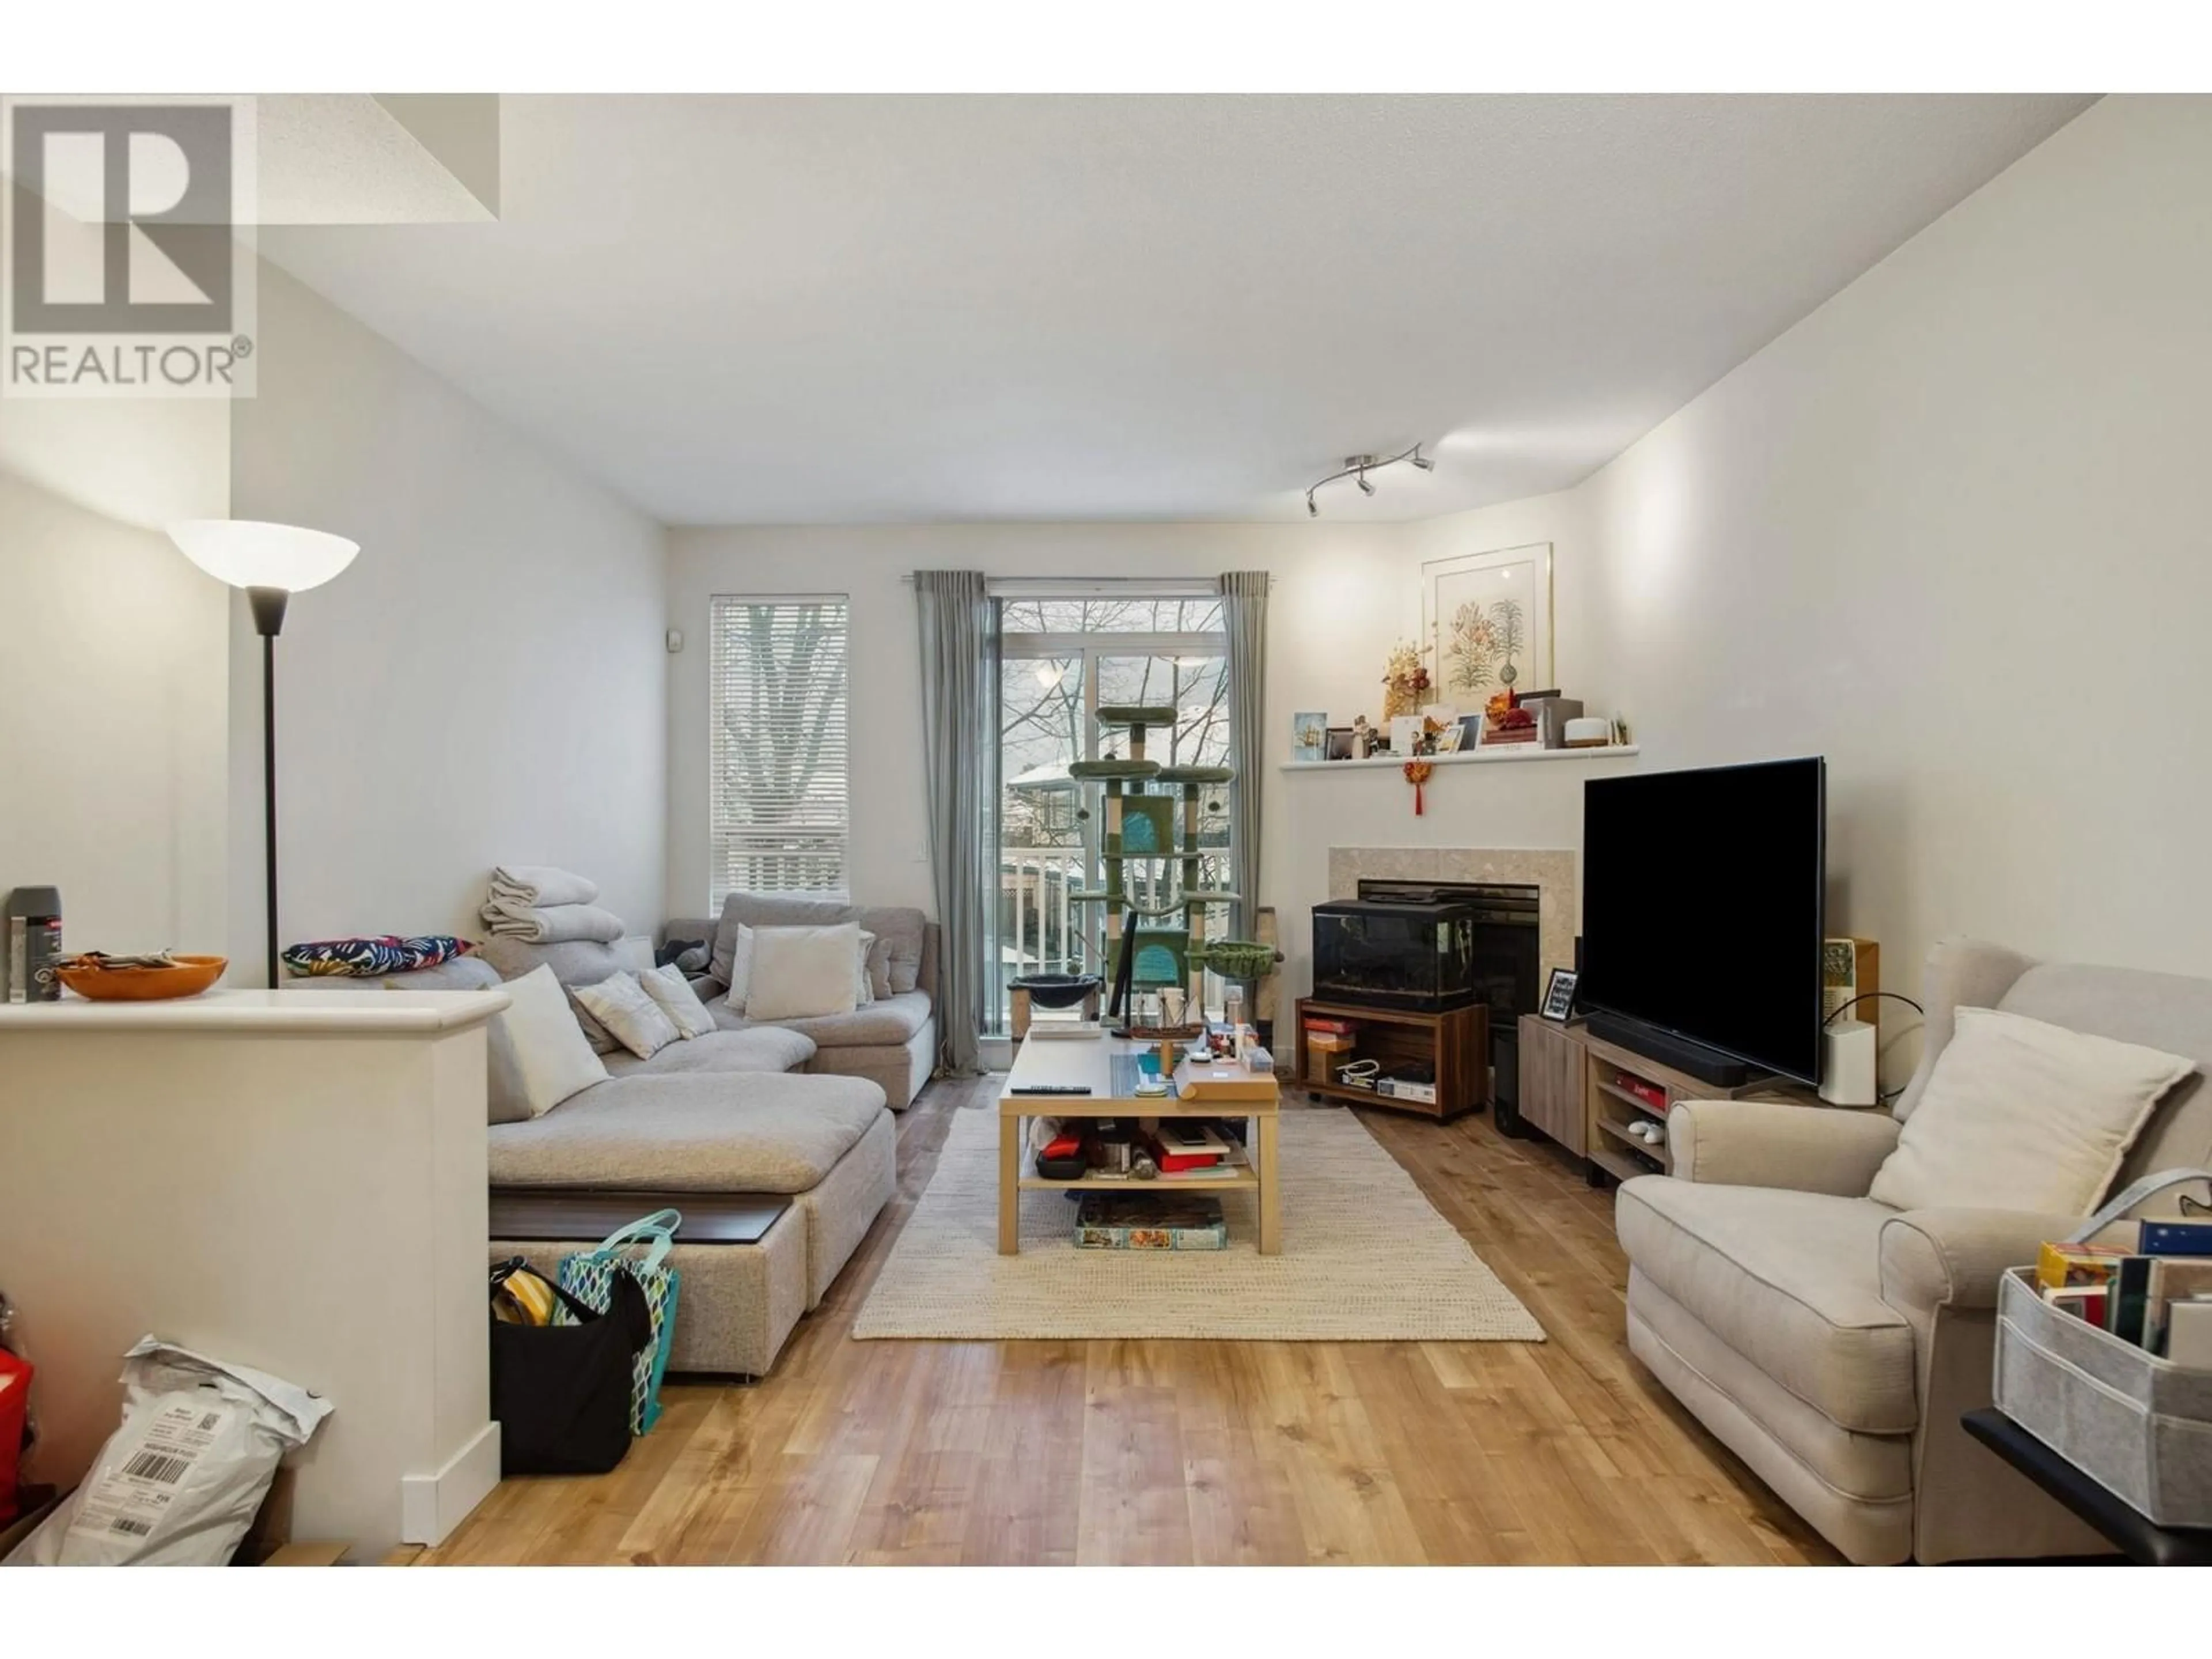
(561, 1392)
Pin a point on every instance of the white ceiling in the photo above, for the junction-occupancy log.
(783, 310)
(349, 159)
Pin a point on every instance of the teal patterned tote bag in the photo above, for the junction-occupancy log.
(588, 1276)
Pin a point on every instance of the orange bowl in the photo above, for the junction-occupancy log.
(190, 976)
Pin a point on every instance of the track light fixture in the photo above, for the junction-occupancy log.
(1357, 467)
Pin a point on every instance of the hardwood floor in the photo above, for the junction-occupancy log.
(1183, 1451)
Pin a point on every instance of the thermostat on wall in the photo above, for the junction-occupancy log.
(675, 640)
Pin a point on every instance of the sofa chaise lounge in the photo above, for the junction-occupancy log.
(727, 1115)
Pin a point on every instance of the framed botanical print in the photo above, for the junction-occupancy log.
(1488, 619)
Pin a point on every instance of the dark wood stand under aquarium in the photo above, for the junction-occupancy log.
(1455, 1042)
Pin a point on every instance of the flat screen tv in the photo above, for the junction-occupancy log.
(1702, 896)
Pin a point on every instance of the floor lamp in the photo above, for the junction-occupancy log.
(271, 563)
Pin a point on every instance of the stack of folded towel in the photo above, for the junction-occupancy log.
(541, 905)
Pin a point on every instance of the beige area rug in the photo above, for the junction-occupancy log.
(1366, 1258)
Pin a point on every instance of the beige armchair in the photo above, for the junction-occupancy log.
(1831, 1341)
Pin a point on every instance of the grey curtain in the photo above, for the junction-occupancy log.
(1244, 613)
(959, 680)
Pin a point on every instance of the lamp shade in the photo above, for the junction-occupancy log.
(247, 553)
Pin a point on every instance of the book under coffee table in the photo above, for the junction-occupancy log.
(1107, 1068)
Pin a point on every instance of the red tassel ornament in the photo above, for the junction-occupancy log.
(1417, 774)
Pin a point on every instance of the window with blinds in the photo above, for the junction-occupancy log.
(781, 804)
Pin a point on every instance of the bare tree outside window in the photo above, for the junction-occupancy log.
(1063, 659)
(780, 766)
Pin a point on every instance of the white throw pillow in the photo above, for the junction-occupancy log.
(668, 988)
(741, 968)
(802, 973)
(2022, 1115)
(632, 1018)
(603, 1041)
(552, 1060)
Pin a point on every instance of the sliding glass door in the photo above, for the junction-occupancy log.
(1062, 656)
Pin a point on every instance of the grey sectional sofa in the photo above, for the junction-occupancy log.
(891, 1041)
(728, 1114)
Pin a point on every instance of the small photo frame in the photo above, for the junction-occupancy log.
(1309, 737)
(1339, 742)
(1559, 995)
(1405, 735)
(1470, 733)
(1449, 738)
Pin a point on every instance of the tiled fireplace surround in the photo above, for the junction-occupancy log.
(1550, 871)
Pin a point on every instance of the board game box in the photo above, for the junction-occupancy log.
(1150, 1221)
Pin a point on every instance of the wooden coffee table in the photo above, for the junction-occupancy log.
(1107, 1068)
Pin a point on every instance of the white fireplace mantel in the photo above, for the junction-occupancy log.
(1474, 758)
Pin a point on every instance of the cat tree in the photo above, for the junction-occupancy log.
(1142, 832)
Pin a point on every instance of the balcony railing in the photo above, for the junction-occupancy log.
(1038, 928)
(1040, 932)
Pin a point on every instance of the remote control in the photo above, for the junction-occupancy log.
(1049, 1089)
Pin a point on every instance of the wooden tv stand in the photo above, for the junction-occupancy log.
(1595, 1082)
(1455, 1042)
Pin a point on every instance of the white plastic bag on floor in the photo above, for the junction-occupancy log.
(179, 1483)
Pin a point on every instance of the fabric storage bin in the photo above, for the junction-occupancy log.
(2138, 1426)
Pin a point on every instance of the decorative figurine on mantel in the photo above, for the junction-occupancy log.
(1363, 738)
(1405, 682)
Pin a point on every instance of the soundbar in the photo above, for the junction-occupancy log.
(1723, 1071)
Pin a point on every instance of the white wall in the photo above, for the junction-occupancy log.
(112, 731)
(486, 683)
(1951, 531)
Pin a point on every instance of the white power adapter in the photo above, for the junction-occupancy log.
(1847, 1064)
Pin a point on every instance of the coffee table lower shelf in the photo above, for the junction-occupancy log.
(1090, 1066)
(1241, 1176)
